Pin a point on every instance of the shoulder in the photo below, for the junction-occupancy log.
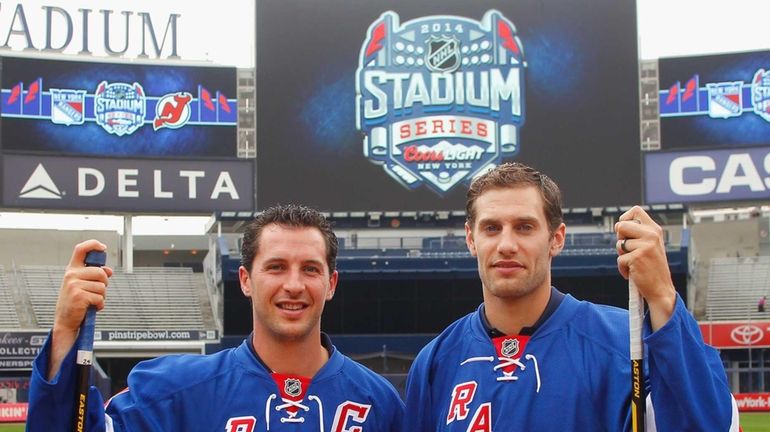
(161, 377)
(603, 326)
(368, 380)
(450, 340)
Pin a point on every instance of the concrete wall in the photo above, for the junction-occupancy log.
(729, 238)
(48, 247)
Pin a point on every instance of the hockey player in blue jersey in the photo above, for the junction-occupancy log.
(287, 376)
(534, 359)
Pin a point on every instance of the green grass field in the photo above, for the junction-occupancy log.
(750, 422)
(755, 422)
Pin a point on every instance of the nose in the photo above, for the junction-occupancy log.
(293, 283)
(508, 243)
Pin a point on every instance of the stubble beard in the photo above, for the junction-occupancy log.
(282, 330)
(516, 288)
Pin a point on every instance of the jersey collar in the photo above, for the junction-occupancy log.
(553, 303)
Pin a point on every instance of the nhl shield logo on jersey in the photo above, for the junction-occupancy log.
(725, 99)
(67, 106)
(292, 387)
(760, 94)
(440, 98)
(510, 347)
(119, 108)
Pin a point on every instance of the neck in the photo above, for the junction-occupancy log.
(303, 357)
(510, 314)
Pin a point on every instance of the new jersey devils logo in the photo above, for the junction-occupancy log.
(172, 111)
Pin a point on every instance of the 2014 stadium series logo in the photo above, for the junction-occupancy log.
(440, 98)
(119, 107)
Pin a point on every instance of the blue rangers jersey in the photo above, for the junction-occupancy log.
(230, 391)
(572, 373)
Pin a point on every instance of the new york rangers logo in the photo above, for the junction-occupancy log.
(67, 106)
(725, 99)
(760, 94)
(440, 98)
(510, 347)
(119, 107)
(292, 387)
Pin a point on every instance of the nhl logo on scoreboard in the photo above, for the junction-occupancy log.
(440, 99)
(760, 94)
(510, 347)
(119, 108)
(292, 387)
(443, 54)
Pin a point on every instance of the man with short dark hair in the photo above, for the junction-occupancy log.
(534, 359)
(286, 376)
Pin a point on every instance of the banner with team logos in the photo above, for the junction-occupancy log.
(715, 101)
(400, 106)
(118, 109)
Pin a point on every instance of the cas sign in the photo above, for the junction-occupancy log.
(703, 176)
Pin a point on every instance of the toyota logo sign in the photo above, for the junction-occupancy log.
(746, 334)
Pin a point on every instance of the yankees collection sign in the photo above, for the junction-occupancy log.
(127, 184)
(440, 98)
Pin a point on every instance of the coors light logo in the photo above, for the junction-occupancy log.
(440, 98)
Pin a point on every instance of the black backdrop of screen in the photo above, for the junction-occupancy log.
(700, 131)
(580, 95)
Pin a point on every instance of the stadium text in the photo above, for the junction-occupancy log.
(69, 30)
(445, 89)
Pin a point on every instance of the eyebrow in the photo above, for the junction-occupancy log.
(516, 219)
(304, 262)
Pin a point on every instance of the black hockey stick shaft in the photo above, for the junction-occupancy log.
(85, 351)
(636, 320)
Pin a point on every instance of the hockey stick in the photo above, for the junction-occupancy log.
(635, 321)
(85, 354)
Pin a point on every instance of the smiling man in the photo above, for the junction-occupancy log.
(286, 376)
(531, 358)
